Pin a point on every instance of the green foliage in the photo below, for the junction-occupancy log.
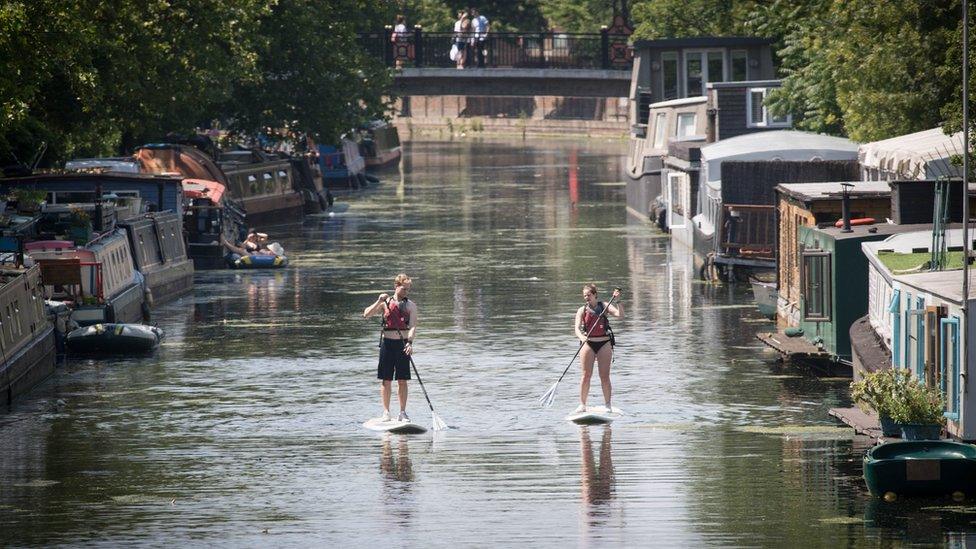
(870, 69)
(583, 16)
(310, 76)
(896, 394)
(680, 18)
(93, 78)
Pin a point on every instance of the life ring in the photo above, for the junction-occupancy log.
(855, 222)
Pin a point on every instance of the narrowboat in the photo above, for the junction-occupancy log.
(150, 208)
(380, 145)
(27, 337)
(262, 189)
(99, 280)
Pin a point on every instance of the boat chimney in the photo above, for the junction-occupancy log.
(846, 207)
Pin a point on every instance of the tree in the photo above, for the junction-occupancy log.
(311, 76)
(682, 18)
(867, 68)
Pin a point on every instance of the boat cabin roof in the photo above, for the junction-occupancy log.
(809, 192)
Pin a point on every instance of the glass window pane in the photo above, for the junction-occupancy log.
(660, 129)
(739, 69)
(693, 72)
(669, 74)
(756, 111)
(716, 66)
(686, 124)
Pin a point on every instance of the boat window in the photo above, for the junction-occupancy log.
(949, 366)
(739, 68)
(815, 285)
(660, 129)
(669, 74)
(686, 124)
(758, 116)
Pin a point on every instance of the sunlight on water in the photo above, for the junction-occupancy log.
(245, 428)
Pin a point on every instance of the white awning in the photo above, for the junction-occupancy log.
(908, 156)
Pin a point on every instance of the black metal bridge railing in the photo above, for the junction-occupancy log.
(541, 50)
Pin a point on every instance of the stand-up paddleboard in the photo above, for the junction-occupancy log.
(394, 426)
(595, 415)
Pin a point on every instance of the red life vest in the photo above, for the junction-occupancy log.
(396, 316)
(593, 321)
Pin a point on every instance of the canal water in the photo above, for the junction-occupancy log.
(245, 427)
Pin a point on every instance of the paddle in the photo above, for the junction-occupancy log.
(438, 423)
(550, 395)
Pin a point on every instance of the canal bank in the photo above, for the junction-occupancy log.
(245, 428)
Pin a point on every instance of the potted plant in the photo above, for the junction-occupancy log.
(879, 391)
(919, 410)
(80, 227)
(28, 200)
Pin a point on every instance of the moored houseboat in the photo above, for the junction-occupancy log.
(149, 208)
(380, 145)
(263, 190)
(99, 280)
(342, 168)
(735, 227)
(676, 69)
(812, 205)
(26, 334)
(833, 285)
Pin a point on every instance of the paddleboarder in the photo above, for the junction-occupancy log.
(396, 342)
(591, 319)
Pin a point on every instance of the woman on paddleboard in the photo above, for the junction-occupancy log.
(593, 330)
(396, 342)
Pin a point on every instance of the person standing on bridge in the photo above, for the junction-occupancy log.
(462, 28)
(396, 342)
(479, 25)
(399, 39)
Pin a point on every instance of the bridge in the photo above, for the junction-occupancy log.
(540, 76)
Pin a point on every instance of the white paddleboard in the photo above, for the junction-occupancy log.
(394, 426)
(594, 415)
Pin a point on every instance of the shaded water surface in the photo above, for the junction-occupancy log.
(245, 428)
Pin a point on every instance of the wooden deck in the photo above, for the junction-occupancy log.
(792, 347)
(863, 424)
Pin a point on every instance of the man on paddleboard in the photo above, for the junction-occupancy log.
(396, 342)
(591, 319)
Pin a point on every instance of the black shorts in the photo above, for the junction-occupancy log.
(394, 363)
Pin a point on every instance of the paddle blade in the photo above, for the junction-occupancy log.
(550, 395)
(439, 424)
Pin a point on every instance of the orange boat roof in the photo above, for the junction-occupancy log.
(203, 188)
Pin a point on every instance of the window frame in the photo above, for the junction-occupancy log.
(950, 330)
(660, 135)
(826, 265)
(767, 119)
(669, 57)
(677, 123)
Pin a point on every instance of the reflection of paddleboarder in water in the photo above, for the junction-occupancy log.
(591, 319)
(396, 342)
(596, 482)
(399, 467)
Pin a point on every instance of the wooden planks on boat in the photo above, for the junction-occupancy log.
(863, 423)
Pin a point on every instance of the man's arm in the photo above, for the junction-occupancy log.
(375, 307)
